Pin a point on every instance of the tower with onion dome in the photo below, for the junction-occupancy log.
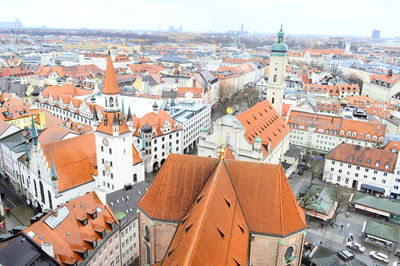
(277, 72)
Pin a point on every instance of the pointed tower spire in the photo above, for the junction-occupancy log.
(122, 107)
(53, 172)
(34, 133)
(129, 116)
(95, 118)
(110, 81)
(115, 120)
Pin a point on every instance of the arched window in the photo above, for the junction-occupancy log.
(368, 136)
(377, 163)
(50, 200)
(289, 254)
(34, 183)
(134, 178)
(146, 233)
(111, 102)
(387, 166)
(42, 192)
(275, 78)
(374, 138)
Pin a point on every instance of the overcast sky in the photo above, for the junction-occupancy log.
(335, 17)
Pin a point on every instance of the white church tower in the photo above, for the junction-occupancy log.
(277, 73)
(118, 162)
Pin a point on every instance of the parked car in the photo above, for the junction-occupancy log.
(345, 255)
(396, 263)
(379, 256)
(355, 246)
(397, 252)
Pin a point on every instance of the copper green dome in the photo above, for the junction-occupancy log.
(279, 48)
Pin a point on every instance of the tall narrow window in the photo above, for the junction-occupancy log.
(275, 78)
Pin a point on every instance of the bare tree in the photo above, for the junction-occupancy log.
(309, 199)
(225, 94)
(342, 201)
(250, 96)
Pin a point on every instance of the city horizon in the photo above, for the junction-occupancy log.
(221, 18)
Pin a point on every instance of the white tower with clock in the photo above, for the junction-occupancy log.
(118, 162)
(277, 73)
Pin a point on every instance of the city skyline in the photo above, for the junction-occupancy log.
(310, 17)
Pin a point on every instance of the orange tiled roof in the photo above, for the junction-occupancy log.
(197, 92)
(392, 146)
(74, 159)
(110, 80)
(214, 231)
(107, 127)
(70, 235)
(262, 120)
(262, 190)
(363, 129)
(156, 121)
(52, 134)
(364, 156)
(66, 89)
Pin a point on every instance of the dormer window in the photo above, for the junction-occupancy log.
(387, 166)
(359, 159)
(368, 136)
(374, 138)
(369, 161)
(82, 219)
(83, 254)
(92, 214)
(377, 163)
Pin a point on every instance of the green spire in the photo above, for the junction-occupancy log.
(27, 156)
(34, 133)
(281, 34)
(123, 107)
(53, 172)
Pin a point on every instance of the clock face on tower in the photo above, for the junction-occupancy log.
(105, 142)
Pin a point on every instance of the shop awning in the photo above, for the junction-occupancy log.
(373, 188)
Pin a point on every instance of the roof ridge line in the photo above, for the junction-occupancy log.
(194, 243)
(234, 191)
(231, 228)
(280, 198)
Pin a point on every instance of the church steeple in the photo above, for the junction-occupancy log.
(111, 88)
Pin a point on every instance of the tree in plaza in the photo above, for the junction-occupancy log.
(342, 201)
(250, 96)
(225, 94)
(309, 199)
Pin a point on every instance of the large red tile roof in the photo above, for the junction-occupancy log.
(70, 235)
(262, 190)
(364, 156)
(214, 231)
(262, 120)
(74, 160)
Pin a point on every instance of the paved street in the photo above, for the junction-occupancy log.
(19, 213)
(335, 238)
